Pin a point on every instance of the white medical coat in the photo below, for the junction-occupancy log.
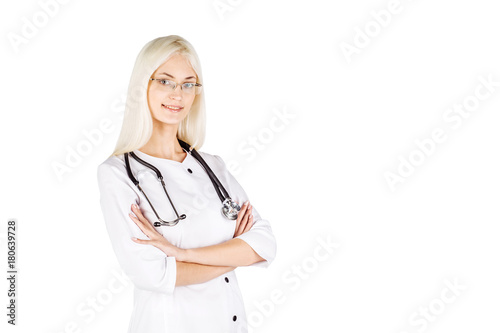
(160, 306)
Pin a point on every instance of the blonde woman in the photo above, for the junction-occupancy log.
(173, 239)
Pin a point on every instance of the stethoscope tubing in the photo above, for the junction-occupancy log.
(215, 181)
(160, 177)
(228, 204)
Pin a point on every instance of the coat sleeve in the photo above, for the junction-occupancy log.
(260, 237)
(147, 267)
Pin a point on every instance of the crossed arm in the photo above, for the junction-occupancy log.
(202, 264)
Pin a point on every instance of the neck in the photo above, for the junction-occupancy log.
(163, 142)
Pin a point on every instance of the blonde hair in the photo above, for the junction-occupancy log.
(137, 126)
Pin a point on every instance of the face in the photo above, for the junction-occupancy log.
(170, 107)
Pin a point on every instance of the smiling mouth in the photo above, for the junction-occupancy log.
(172, 108)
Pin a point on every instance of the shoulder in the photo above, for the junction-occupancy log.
(214, 161)
(112, 166)
(112, 177)
(112, 161)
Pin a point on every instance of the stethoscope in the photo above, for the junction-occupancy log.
(229, 208)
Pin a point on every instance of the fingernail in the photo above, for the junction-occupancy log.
(135, 206)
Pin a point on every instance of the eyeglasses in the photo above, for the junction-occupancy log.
(169, 86)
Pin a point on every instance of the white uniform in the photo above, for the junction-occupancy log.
(159, 306)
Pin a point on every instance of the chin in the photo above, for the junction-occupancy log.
(170, 119)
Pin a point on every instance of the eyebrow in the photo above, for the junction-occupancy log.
(186, 78)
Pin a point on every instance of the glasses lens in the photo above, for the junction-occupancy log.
(165, 84)
(188, 88)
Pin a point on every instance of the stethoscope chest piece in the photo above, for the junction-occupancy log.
(230, 209)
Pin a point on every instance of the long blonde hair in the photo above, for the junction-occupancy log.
(137, 126)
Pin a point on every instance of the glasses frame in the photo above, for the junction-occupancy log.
(178, 84)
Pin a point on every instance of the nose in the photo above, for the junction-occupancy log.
(176, 93)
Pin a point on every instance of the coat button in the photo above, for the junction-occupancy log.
(227, 280)
(234, 318)
(190, 171)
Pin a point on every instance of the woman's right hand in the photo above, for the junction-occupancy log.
(245, 219)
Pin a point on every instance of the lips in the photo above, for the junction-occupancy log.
(172, 108)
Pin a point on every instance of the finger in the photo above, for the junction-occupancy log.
(239, 229)
(141, 241)
(248, 211)
(248, 220)
(144, 221)
(138, 222)
(249, 224)
(244, 221)
(242, 211)
(239, 220)
(240, 216)
(236, 227)
(141, 225)
(137, 211)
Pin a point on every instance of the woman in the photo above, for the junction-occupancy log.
(183, 274)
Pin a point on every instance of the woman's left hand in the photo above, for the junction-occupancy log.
(155, 238)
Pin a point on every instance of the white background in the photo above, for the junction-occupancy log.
(321, 176)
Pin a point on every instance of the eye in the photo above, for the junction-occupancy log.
(164, 82)
(189, 85)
